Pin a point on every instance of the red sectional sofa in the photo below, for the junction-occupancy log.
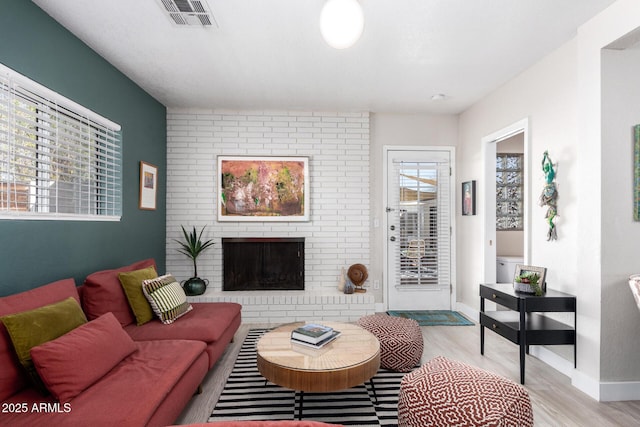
(109, 371)
(213, 323)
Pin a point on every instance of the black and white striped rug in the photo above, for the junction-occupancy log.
(246, 397)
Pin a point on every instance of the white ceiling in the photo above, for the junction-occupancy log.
(268, 54)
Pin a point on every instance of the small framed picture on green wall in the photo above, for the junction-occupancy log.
(148, 186)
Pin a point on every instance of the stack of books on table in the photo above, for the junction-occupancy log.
(314, 335)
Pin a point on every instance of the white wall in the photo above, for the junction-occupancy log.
(561, 95)
(399, 130)
(596, 269)
(620, 233)
(545, 94)
(337, 145)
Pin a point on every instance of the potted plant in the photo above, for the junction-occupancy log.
(528, 282)
(193, 246)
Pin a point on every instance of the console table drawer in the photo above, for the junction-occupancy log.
(507, 329)
(499, 297)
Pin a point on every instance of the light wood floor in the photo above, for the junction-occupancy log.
(555, 401)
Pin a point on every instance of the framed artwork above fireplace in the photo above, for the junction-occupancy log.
(263, 188)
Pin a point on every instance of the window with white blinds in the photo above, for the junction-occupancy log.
(423, 208)
(58, 160)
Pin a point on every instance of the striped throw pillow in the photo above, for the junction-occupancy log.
(166, 297)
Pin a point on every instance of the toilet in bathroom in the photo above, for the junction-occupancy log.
(506, 268)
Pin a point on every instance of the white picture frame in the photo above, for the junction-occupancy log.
(542, 273)
(148, 186)
(264, 189)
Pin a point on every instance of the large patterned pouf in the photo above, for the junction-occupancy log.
(400, 339)
(444, 392)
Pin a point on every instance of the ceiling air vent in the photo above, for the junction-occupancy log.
(189, 12)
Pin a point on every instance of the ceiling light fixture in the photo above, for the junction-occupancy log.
(341, 23)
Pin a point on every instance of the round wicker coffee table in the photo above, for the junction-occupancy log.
(350, 360)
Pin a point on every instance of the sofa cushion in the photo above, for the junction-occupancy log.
(131, 282)
(103, 293)
(206, 322)
(30, 328)
(140, 383)
(130, 394)
(12, 376)
(76, 360)
(167, 298)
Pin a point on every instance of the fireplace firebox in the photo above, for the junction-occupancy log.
(260, 264)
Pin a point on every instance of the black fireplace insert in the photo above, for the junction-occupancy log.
(263, 263)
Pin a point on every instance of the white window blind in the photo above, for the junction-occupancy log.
(423, 208)
(58, 160)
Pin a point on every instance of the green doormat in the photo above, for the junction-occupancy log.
(434, 317)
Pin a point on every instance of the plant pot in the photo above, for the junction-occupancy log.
(525, 288)
(194, 286)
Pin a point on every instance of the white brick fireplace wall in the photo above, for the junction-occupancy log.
(337, 235)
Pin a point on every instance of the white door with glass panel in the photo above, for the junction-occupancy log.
(419, 233)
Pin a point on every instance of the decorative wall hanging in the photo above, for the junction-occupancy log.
(263, 188)
(148, 186)
(469, 198)
(636, 173)
(549, 196)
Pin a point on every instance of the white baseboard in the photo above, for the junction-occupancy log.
(585, 384)
(606, 391)
(601, 391)
(468, 311)
(620, 390)
(552, 359)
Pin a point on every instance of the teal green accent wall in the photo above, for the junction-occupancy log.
(33, 253)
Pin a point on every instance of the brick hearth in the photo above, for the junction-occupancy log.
(276, 307)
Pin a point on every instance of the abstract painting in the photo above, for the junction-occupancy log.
(263, 188)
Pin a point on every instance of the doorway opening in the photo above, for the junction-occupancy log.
(507, 201)
(510, 168)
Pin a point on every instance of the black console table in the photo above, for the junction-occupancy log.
(521, 325)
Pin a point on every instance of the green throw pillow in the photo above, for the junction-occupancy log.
(132, 284)
(167, 298)
(43, 324)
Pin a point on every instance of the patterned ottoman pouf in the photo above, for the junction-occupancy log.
(400, 339)
(445, 392)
